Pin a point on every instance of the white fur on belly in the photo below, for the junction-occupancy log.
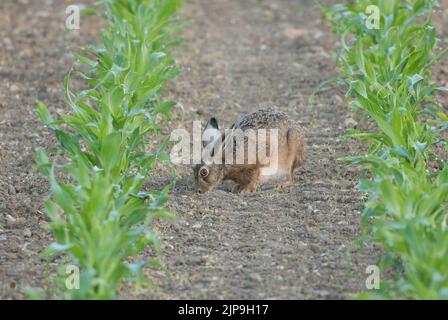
(272, 172)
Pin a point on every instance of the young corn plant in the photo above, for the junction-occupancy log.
(387, 71)
(99, 214)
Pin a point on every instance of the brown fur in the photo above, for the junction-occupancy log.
(291, 145)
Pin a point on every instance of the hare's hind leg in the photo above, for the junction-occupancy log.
(290, 181)
(295, 156)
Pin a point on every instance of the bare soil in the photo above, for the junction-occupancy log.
(237, 56)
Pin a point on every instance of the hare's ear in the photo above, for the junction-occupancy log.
(211, 132)
(212, 124)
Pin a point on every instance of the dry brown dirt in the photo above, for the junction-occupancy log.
(237, 56)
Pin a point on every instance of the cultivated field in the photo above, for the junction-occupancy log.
(236, 57)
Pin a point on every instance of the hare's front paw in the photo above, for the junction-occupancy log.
(285, 184)
(245, 188)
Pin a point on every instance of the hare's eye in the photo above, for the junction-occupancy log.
(203, 172)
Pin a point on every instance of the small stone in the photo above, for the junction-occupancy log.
(10, 218)
(378, 246)
(323, 293)
(11, 190)
(318, 35)
(197, 226)
(302, 244)
(8, 44)
(14, 221)
(67, 57)
(27, 233)
(256, 276)
(293, 33)
(338, 99)
(350, 123)
(195, 261)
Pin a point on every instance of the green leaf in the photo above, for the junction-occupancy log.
(85, 60)
(68, 142)
(164, 107)
(44, 114)
(43, 165)
(360, 88)
(110, 150)
(86, 12)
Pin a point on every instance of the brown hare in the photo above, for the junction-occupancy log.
(282, 157)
